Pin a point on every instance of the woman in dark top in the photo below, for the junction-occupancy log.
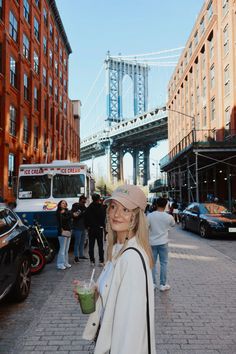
(64, 234)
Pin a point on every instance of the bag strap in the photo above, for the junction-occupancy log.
(147, 307)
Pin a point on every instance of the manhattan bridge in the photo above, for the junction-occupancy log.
(138, 134)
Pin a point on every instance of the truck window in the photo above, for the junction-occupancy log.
(34, 187)
(68, 186)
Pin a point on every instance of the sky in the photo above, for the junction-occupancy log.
(129, 27)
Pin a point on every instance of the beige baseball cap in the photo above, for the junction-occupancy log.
(130, 196)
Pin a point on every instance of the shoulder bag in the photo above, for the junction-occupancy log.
(147, 307)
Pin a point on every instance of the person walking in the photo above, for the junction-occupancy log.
(94, 219)
(123, 322)
(78, 229)
(159, 224)
(64, 235)
(175, 212)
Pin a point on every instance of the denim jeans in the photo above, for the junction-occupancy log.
(63, 253)
(79, 236)
(162, 252)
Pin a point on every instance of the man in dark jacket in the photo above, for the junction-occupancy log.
(78, 211)
(95, 222)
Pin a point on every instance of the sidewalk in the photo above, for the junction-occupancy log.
(197, 316)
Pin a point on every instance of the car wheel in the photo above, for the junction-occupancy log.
(203, 231)
(21, 288)
(183, 223)
(38, 261)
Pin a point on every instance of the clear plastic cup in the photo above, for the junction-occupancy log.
(86, 295)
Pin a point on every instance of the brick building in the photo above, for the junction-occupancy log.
(202, 109)
(38, 123)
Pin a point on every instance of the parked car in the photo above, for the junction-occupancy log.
(15, 256)
(208, 219)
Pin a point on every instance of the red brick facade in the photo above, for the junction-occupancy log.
(37, 123)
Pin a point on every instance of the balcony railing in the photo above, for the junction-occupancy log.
(210, 138)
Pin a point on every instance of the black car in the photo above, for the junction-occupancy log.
(15, 256)
(208, 219)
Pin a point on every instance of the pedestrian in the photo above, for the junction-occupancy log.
(175, 212)
(159, 224)
(78, 229)
(124, 316)
(94, 219)
(64, 234)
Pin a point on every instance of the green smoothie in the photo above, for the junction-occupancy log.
(86, 299)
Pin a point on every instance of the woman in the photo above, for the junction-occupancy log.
(64, 235)
(120, 321)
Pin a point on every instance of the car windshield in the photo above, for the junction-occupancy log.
(212, 208)
(68, 186)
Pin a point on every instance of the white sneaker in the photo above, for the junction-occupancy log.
(155, 286)
(61, 267)
(68, 265)
(164, 287)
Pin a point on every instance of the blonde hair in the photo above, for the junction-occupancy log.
(138, 227)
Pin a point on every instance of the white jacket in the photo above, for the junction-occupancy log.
(124, 326)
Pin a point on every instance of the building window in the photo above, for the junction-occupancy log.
(50, 57)
(226, 39)
(26, 87)
(1, 9)
(56, 93)
(226, 80)
(36, 28)
(26, 46)
(213, 108)
(196, 39)
(13, 72)
(51, 115)
(37, 3)
(225, 6)
(212, 76)
(204, 118)
(65, 63)
(50, 31)
(202, 25)
(36, 62)
(190, 50)
(211, 48)
(60, 100)
(50, 86)
(45, 16)
(61, 55)
(26, 10)
(227, 115)
(56, 43)
(44, 76)
(204, 87)
(65, 84)
(45, 45)
(36, 136)
(45, 109)
(61, 80)
(36, 98)
(12, 120)
(11, 169)
(13, 25)
(56, 67)
(210, 10)
(26, 130)
(65, 108)
(198, 94)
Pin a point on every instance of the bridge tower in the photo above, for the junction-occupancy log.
(116, 69)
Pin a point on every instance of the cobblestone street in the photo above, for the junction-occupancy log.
(198, 314)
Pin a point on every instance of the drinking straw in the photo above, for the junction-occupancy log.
(91, 279)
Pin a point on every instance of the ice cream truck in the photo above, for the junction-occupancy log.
(41, 186)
